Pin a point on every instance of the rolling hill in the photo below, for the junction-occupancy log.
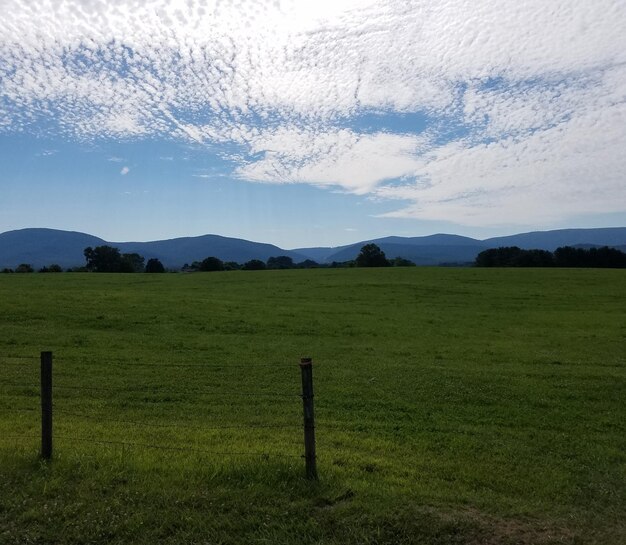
(40, 247)
(455, 249)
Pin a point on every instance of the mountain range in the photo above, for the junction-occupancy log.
(41, 247)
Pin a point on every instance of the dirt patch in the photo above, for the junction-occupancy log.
(514, 531)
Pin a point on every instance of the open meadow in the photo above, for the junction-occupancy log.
(453, 406)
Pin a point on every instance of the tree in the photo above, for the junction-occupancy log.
(343, 264)
(51, 269)
(565, 256)
(280, 262)
(308, 264)
(24, 268)
(211, 264)
(606, 257)
(371, 256)
(603, 257)
(103, 259)
(109, 259)
(401, 262)
(154, 266)
(132, 263)
(512, 256)
(254, 265)
(195, 266)
(534, 258)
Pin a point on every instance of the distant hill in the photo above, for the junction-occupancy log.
(427, 250)
(551, 240)
(41, 247)
(420, 254)
(177, 251)
(443, 248)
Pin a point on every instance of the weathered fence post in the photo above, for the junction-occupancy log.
(46, 405)
(306, 366)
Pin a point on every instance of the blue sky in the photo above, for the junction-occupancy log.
(306, 124)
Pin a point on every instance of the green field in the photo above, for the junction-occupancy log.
(454, 406)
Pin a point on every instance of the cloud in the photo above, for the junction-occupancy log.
(523, 101)
(124, 171)
(558, 153)
(355, 162)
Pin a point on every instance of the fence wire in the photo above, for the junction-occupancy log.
(19, 357)
(17, 364)
(158, 365)
(23, 362)
(20, 409)
(175, 424)
(173, 448)
(30, 437)
(17, 384)
(133, 444)
(156, 389)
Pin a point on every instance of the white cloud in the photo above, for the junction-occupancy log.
(573, 167)
(524, 100)
(352, 161)
(124, 171)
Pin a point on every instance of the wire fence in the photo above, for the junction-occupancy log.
(110, 424)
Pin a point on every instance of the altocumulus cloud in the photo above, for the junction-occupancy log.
(524, 103)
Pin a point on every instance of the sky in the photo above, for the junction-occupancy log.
(305, 123)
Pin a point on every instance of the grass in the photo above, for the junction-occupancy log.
(453, 406)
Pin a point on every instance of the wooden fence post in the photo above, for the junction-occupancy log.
(306, 366)
(46, 405)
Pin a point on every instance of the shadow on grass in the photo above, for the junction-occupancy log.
(120, 496)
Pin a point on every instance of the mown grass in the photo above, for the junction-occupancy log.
(453, 406)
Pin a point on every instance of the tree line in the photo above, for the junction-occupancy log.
(566, 256)
(109, 259)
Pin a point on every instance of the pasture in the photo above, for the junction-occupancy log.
(453, 406)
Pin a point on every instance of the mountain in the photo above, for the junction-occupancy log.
(177, 251)
(420, 254)
(551, 240)
(41, 247)
(429, 250)
(319, 254)
(432, 240)
(455, 249)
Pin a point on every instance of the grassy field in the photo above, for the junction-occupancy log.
(454, 406)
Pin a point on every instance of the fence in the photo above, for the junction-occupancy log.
(50, 414)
